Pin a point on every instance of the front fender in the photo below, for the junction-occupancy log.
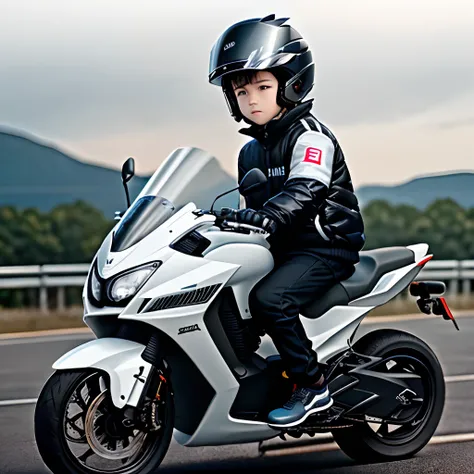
(120, 358)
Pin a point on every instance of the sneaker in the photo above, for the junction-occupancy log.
(304, 402)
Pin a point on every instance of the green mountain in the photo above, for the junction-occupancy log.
(420, 192)
(38, 175)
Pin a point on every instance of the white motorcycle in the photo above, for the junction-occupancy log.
(177, 353)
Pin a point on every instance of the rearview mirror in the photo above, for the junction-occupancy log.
(252, 181)
(128, 170)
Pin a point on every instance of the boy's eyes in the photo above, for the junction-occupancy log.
(243, 92)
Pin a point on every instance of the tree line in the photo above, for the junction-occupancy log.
(69, 233)
(72, 233)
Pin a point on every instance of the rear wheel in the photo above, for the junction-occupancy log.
(78, 428)
(412, 426)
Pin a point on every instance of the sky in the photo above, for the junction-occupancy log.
(108, 79)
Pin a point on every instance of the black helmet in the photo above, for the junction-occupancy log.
(263, 44)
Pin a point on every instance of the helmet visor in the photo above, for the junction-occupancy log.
(248, 46)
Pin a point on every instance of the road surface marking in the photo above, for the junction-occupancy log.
(332, 446)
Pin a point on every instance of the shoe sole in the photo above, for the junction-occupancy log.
(312, 411)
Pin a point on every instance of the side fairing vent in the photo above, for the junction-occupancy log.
(187, 298)
(192, 243)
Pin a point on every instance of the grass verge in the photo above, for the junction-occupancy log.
(22, 320)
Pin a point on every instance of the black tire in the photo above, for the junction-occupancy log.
(359, 441)
(49, 428)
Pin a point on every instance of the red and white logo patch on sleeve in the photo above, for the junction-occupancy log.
(313, 155)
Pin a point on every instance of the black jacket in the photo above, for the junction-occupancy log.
(309, 192)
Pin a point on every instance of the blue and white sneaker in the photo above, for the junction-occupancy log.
(304, 402)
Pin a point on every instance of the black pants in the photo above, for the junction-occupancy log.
(297, 279)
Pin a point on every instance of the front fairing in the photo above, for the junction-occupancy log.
(189, 178)
(182, 177)
(153, 248)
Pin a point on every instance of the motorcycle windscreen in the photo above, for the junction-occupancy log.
(187, 175)
(192, 175)
(145, 215)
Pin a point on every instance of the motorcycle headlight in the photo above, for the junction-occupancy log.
(126, 286)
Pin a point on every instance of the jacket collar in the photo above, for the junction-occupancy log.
(272, 131)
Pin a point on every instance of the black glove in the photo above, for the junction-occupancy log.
(251, 217)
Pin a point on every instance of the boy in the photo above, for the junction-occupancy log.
(265, 69)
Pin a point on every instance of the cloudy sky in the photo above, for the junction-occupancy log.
(108, 79)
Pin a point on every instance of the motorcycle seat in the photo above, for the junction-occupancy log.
(372, 265)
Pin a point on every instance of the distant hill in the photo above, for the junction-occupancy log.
(33, 174)
(420, 192)
(38, 175)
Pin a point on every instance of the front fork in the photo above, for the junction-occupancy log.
(156, 390)
(148, 414)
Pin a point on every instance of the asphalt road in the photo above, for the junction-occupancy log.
(25, 365)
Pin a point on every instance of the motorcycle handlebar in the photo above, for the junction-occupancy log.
(237, 226)
(224, 220)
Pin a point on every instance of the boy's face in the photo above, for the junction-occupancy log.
(257, 100)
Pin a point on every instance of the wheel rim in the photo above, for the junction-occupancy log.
(95, 435)
(407, 421)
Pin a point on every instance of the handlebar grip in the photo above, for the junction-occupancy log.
(226, 210)
(237, 225)
(226, 213)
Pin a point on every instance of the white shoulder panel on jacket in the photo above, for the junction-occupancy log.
(312, 158)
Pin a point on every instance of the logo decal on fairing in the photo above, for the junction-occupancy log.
(229, 45)
(313, 155)
(186, 329)
(406, 397)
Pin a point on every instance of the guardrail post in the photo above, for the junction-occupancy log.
(43, 299)
(61, 298)
(43, 292)
(453, 287)
(467, 274)
(466, 288)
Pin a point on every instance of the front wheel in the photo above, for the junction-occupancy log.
(400, 352)
(78, 429)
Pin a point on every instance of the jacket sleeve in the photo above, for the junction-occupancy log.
(308, 180)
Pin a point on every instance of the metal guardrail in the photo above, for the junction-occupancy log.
(35, 276)
(457, 274)
(43, 277)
